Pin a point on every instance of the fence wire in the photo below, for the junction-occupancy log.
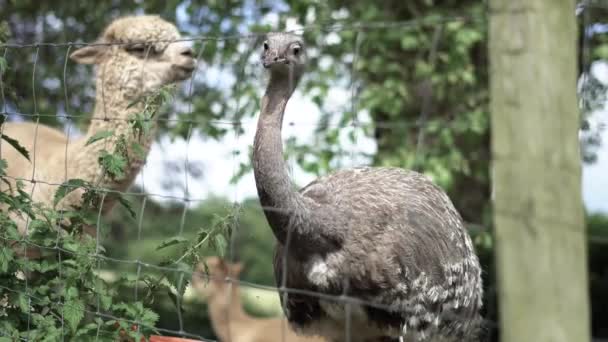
(142, 267)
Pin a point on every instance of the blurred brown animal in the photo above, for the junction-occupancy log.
(230, 322)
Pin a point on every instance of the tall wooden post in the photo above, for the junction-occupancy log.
(539, 216)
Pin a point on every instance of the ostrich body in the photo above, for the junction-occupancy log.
(383, 235)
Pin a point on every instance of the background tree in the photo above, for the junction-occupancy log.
(416, 70)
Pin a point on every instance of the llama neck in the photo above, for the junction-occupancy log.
(113, 114)
(116, 104)
(275, 189)
(225, 310)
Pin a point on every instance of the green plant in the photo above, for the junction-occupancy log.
(212, 238)
(58, 294)
(50, 287)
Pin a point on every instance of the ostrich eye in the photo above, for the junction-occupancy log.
(296, 50)
(266, 45)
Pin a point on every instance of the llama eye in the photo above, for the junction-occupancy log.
(265, 45)
(296, 50)
(140, 49)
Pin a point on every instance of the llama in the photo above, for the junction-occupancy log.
(383, 235)
(230, 322)
(134, 57)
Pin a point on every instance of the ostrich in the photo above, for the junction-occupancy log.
(230, 322)
(383, 235)
(134, 57)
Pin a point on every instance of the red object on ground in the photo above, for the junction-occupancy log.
(156, 338)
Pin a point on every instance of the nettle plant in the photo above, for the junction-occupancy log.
(60, 293)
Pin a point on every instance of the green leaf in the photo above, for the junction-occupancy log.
(142, 124)
(23, 302)
(71, 292)
(113, 164)
(99, 136)
(166, 94)
(178, 278)
(127, 205)
(106, 302)
(22, 150)
(172, 241)
(220, 244)
(6, 255)
(3, 65)
(138, 150)
(67, 187)
(73, 312)
(173, 298)
(409, 41)
(71, 246)
(88, 328)
(149, 317)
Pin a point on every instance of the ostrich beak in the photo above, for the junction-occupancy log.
(270, 61)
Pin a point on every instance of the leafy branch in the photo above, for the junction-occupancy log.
(208, 239)
(55, 302)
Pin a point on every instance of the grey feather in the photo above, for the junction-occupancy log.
(383, 235)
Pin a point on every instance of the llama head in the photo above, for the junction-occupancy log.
(137, 55)
(218, 270)
(283, 55)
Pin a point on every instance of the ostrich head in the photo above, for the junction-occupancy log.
(284, 55)
(137, 55)
(218, 271)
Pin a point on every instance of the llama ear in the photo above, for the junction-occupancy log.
(91, 54)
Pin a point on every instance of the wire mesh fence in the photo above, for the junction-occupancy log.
(105, 304)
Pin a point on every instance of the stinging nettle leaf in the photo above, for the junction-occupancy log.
(67, 187)
(73, 312)
(3, 65)
(6, 255)
(99, 136)
(23, 302)
(113, 164)
(172, 241)
(138, 150)
(22, 150)
(149, 317)
(127, 205)
(220, 244)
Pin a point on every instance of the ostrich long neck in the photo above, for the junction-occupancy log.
(275, 189)
(307, 224)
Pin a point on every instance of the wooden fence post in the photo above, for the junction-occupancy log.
(536, 171)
